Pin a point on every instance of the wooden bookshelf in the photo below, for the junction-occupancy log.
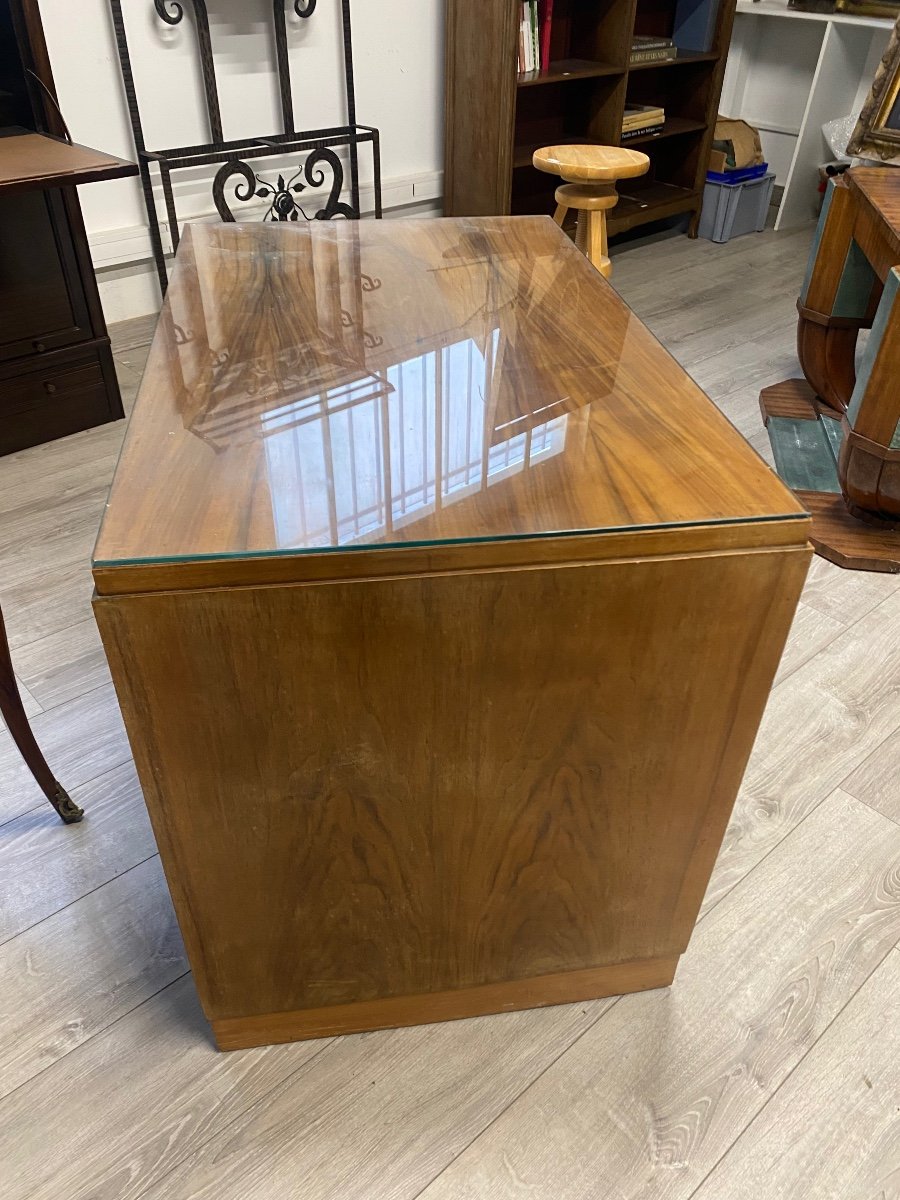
(496, 118)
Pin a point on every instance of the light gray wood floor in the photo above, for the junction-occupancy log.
(770, 1070)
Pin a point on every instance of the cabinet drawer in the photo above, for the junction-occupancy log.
(43, 405)
(42, 302)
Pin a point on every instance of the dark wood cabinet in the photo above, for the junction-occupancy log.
(56, 368)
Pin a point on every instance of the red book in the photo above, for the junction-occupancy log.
(546, 20)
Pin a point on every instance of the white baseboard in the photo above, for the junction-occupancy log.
(131, 244)
(124, 263)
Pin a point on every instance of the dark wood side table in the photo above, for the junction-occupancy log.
(442, 607)
(13, 713)
(836, 436)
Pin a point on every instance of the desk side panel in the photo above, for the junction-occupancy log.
(407, 786)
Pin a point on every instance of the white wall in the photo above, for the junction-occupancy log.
(398, 46)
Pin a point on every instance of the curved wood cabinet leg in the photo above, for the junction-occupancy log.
(869, 463)
(828, 357)
(17, 722)
(837, 300)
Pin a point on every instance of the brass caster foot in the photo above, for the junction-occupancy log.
(68, 810)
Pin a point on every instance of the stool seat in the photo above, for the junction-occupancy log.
(586, 164)
(591, 173)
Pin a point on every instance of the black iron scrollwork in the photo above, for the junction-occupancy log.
(304, 8)
(170, 18)
(283, 194)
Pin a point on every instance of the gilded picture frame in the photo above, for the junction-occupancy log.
(868, 8)
(877, 132)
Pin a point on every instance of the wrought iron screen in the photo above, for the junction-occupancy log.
(320, 167)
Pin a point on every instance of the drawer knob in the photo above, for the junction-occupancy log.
(40, 347)
(50, 388)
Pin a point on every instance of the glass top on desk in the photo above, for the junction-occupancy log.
(341, 385)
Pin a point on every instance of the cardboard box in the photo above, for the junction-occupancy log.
(718, 161)
(738, 142)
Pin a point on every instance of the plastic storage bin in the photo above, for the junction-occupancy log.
(730, 209)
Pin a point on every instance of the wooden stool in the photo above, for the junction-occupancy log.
(591, 173)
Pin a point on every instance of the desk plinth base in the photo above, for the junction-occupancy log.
(806, 439)
(569, 987)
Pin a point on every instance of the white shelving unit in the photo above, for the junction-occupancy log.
(788, 73)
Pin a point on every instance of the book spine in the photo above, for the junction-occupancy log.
(546, 29)
(653, 44)
(628, 134)
(642, 56)
(535, 48)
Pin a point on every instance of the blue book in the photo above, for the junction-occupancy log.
(695, 24)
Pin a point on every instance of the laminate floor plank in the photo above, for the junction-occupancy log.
(48, 865)
(832, 1131)
(29, 702)
(379, 1115)
(648, 1101)
(132, 334)
(49, 474)
(80, 741)
(50, 602)
(79, 971)
(63, 666)
(846, 595)
(129, 370)
(877, 780)
(123, 1109)
(810, 633)
(820, 723)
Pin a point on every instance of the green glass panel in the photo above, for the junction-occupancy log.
(803, 454)
(814, 249)
(855, 288)
(873, 345)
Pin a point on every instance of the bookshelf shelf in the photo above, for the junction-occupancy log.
(640, 203)
(685, 58)
(568, 68)
(496, 118)
(673, 127)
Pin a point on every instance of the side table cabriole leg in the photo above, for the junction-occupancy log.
(14, 715)
(838, 299)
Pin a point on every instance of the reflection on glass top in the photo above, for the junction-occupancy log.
(357, 384)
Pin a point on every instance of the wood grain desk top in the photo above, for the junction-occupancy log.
(879, 189)
(427, 384)
(34, 160)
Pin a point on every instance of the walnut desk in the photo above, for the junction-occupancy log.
(442, 607)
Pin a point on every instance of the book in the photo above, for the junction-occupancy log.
(668, 54)
(628, 134)
(529, 43)
(642, 41)
(525, 34)
(695, 24)
(546, 24)
(642, 115)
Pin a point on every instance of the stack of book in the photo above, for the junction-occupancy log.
(534, 35)
(642, 120)
(645, 49)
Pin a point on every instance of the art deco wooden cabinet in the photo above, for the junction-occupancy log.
(442, 607)
(56, 369)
